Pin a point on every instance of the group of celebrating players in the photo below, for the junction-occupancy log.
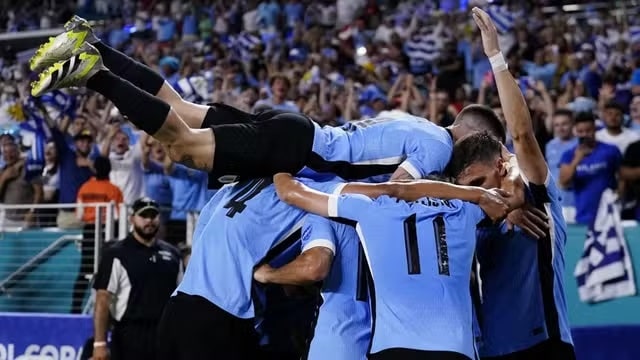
(410, 269)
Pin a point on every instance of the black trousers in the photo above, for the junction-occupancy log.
(550, 349)
(133, 341)
(410, 354)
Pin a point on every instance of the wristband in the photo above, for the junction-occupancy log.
(99, 344)
(498, 63)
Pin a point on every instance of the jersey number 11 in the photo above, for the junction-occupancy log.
(411, 245)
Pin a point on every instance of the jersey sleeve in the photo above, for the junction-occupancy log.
(426, 158)
(349, 206)
(109, 272)
(317, 231)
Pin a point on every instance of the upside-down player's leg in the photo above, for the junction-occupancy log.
(192, 147)
(78, 31)
(275, 142)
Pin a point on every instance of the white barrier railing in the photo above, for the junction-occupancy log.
(39, 272)
(39, 266)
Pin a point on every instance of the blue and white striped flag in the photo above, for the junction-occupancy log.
(605, 271)
(502, 18)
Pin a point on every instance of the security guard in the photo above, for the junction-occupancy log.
(135, 278)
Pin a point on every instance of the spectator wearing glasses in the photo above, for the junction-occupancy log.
(135, 278)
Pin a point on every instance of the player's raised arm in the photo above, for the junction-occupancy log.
(295, 193)
(495, 203)
(514, 106)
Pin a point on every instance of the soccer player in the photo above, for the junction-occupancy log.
(330, 253)
(211, 314)
(233, 145)
(419, 254)
(212, 311)
(523, 313)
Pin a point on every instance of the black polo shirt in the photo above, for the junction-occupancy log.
(140, 278)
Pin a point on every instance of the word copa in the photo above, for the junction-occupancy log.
(37, 352)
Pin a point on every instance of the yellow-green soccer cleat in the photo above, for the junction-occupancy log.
(73, 72)
(78, 31)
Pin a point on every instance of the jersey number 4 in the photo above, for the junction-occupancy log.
(411, 245)
(237, 204)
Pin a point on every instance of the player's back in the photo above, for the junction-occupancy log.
(522, 281)
(343, 327)
(377, 146)
(420, 256)
(236, 230)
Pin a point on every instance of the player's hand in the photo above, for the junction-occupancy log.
(531, 220)
(281, 182)
(495, 203)
(100, 353)
(281, 178)
(261, 273)
(488, 31)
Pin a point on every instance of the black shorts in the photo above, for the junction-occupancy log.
(132, 341)
(410, 354)
(548, 349)
(257, 145)
(191, 328)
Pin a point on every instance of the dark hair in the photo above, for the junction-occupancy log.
(614, 105)
(281, 77)
(564, 112)
(481, 118)
(584, 116)
(103, 167)
(475, 148)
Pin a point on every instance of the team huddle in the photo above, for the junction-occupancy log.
(409, 268)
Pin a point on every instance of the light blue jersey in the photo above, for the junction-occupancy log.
(241, 226)
(420, 255)
(343, 328)
(367, 148)
(522, 281)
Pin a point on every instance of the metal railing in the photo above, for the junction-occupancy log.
(45, 268)
(49, 268)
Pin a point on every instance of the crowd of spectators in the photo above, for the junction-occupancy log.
(336, 61)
